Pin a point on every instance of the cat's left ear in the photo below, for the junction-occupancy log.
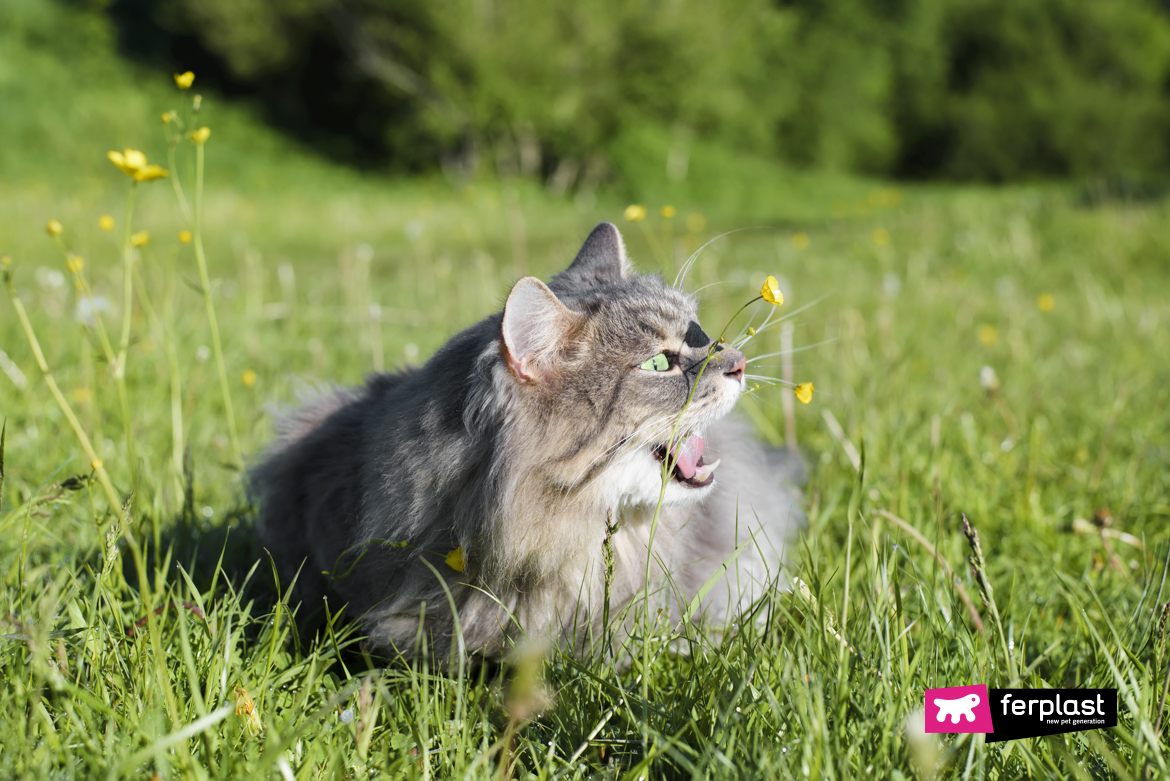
(602, 258)
(536, 328)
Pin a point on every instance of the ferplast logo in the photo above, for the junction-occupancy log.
(1009, 714)
(958, 709)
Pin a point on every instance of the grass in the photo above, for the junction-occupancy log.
(156, 647)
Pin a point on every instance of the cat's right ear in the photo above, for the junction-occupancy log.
(602, 258)
(536, 326)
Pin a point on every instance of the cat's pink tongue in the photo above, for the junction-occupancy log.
(688, 454)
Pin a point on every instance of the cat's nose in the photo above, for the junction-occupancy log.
(738, 363)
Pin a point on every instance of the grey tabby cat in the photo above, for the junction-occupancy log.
(515, 442)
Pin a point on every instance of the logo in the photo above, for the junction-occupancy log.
(958, 709)
(1010, 714)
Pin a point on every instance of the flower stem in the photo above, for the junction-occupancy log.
(667, 467)
(111, 359)
(205, 283)
(119, 365)
(162, 335)
(74, 423)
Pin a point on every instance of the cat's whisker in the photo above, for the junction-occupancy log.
(686, 267)
(710, 284)
(745, 335)
(790, 352)
(789, 316)
(767, 379)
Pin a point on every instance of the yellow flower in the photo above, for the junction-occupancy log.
(97, 464)
(456, 560)
(167, 117)
(635, 212)
(803, 392)
(881, 237)
(148, 173)
(800, 240)
(106, 222)
(201, 135)
(668, 212)
(771, 291)
(5, 260)
(129, 161)
(696, 222)
(133, 163)
(1046, 302)
(53, 228)
(185, 237)
(248, 378)
(246, 707)
(140, 239)
(185, 80)
(75, 263)
(80, 395)
(988, 334)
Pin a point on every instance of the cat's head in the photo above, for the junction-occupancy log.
(601, 362)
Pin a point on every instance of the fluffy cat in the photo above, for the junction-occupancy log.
(515, 442)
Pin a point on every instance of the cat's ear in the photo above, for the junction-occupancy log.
(602, 258)
(535, 328)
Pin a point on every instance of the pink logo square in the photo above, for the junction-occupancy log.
(958, 709)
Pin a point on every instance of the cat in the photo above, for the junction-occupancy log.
(499, 465)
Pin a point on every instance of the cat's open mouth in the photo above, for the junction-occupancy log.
(687, 456)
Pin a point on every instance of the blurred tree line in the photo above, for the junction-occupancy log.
(574, 91)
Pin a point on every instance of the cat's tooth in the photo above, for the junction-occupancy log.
(703, 472)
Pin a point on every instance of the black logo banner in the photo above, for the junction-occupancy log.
(1029, 713)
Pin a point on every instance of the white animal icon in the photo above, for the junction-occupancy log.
(954, 708)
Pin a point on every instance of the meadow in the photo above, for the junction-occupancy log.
(993, 353)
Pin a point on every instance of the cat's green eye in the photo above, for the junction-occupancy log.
(659, 363)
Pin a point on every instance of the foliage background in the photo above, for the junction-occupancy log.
(994, 90)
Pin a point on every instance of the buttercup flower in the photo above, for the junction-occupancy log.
(1046, 303)
(246, 708)
(771, 291)
(129, 161)
(881, 237)
(668, 212)
(75, 263)
(185, 237)
(800, 240)
(201, 135)
(803, 392)
(97, 464)
(133, 163)
(248, 378)
(456, 560)
(635, 212)
(106, 222)
(139, 239)
(53, 228)
(184, 80)
(151, 172)
(988, 334)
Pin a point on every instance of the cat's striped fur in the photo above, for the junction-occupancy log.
(514, 442)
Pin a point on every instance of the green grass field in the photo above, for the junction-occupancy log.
(126, 650)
